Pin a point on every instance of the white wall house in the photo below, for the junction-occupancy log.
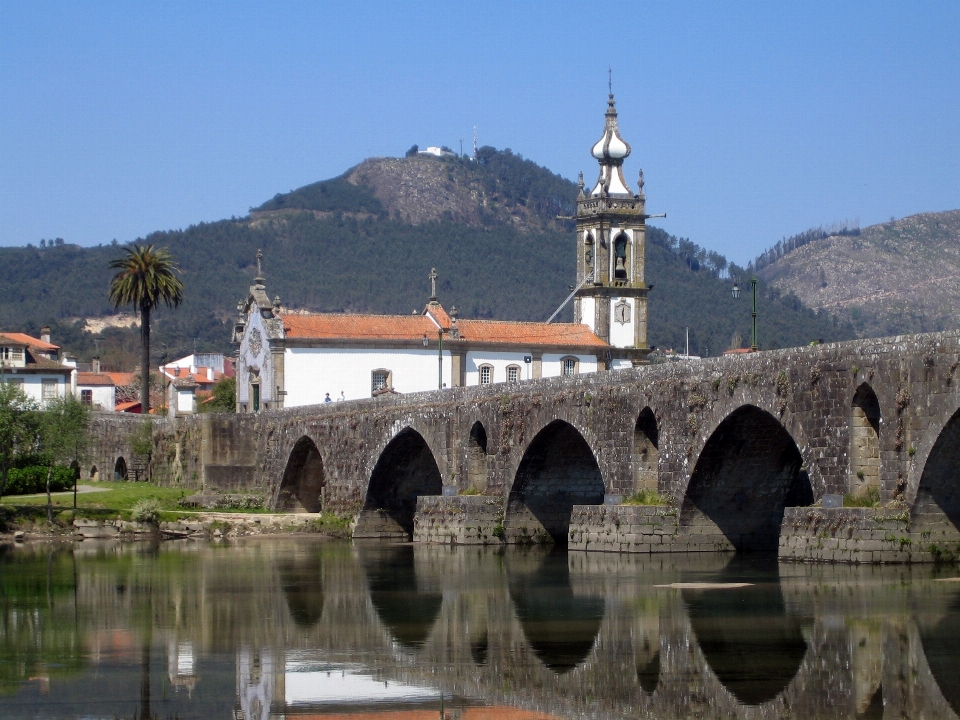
(289, 360)
(34, 364)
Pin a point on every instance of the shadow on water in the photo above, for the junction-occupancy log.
(301, 578)
(752, 644)
(560, 626)
(941, 645)
(406, 609)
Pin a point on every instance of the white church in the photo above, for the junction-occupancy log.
(288, 359)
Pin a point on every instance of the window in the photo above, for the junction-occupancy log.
(379, 380)
(86, 397)
(14, 381)
(513, 373)
(11, 354)
(48, 389)
(568, 366)
(486, 374)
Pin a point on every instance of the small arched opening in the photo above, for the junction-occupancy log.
(588, 255)
(557, 471)
(621, 258)
(864, 441)
(747, 473)
(936, 511)
(477, 457)
(120, 469)
(646, 456)
(301, 489)
(94, 473)
(405, 470)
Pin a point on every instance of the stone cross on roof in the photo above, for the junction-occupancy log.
(259, 278)
(433, 284)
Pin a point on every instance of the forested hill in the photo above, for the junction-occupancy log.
(365, 242)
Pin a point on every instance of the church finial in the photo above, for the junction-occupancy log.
(433, 284)
(259, 278)
(641, 183)
(610, 80)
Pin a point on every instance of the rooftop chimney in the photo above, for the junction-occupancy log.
(45, 333)
(96, 365)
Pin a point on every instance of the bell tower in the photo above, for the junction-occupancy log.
(611, 244)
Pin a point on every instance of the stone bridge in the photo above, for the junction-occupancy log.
(742, 449)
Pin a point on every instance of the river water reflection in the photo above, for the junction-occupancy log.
(298, 628)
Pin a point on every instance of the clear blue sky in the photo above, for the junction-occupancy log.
(751, 120)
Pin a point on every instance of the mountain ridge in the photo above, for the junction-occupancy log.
(365, 241)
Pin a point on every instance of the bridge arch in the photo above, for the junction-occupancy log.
(936, 508)
(646, 454)
(405, 470)
(864, 429)
(558, 471)
(304, 479)
(120, 469)
(748, 471)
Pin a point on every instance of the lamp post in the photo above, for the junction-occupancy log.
(736, 294)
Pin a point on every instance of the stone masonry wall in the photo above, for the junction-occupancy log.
(459, 520)
(859, 535)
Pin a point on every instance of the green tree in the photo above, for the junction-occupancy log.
(224, 397)
(64, 438)
(18, 427)
(147, 278)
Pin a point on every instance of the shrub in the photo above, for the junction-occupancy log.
(869, 498)
(646, 497)
(146, 510)
(33, 479)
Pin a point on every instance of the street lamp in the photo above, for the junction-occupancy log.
(736, 294)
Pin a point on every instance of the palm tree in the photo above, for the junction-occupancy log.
(147, 279)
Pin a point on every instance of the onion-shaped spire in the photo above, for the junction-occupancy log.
(611, 146)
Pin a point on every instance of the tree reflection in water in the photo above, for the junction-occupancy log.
(406, 609)
(560, 626)
(751, 643)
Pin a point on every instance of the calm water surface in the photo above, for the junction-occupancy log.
(297, 628)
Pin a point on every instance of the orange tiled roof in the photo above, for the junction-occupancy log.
(92, 378)
(120, 379)
(131, 406)
(528, 333)
(31, 341)
(414, 327)
(358, 327)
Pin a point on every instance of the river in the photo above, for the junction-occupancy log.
(298, 627)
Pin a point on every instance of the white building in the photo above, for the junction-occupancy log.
(190, 380)
(35, 365)
(293, 359)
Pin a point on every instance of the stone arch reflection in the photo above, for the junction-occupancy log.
(747, 472)
(301, 489)
(557, 471)
(301, 578)
(407, 608)
(941, 647)
(560, 626)
(753, 645)
(405, 470)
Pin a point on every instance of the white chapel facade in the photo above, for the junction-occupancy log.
(292, 359)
